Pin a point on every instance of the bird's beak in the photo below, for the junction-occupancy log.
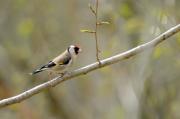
(80, 50)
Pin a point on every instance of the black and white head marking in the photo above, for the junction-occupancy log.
(73, 50)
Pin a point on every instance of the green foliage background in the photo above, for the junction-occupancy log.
(143, 87)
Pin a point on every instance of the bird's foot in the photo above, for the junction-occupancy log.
(64, 73)
(50, 74)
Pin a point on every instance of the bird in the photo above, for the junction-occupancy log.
(61, 63)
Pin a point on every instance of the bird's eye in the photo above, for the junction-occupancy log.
(76, 49)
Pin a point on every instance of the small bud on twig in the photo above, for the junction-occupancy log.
(92, 9)
(103, 23)
(87, 31)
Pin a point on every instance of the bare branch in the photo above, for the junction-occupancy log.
(97, 23)
(111, 60)
(95, 34)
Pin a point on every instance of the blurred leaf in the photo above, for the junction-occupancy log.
(158, 52)
(162, 50)
(133, 25)
(178, 38)
(125, 10)
(25, 28)
(19, 4)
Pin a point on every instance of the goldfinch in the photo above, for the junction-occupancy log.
(61, 63)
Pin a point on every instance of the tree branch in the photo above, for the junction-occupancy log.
(95, 33)
(111, 60)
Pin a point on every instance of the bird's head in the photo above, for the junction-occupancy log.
(74, 50)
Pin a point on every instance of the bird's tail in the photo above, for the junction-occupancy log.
(36, 71)
(44, 67)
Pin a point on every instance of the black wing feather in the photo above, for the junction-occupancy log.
(66, 61)
(49, 65)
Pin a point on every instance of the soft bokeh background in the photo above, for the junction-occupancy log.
(143, 87)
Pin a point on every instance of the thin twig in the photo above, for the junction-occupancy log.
(84, 70)
(96, 31)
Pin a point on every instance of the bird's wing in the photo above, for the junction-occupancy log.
(48, 65)
(44, 67)
(62, 59)
(65, 61)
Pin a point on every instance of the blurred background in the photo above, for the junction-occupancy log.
(143, 87)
